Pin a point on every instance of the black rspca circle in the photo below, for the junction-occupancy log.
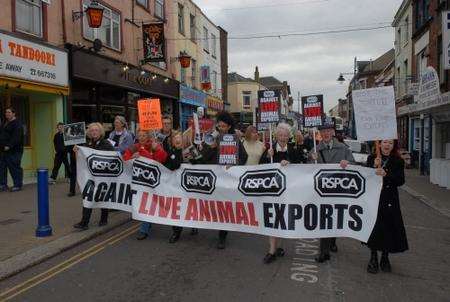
(145, 174)
(269, 182)
(199, 181)
(105, 165)
(339, 183)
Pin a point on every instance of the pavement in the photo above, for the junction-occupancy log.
(18, 222)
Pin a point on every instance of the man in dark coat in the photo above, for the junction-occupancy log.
(330, 151)
(61, 153)
(11, 144)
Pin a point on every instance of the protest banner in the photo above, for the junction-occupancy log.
(74, 134)
(149, 111)
(375, 113)
(269, 106)
(228, 150)
(312, 108)
(260, 199)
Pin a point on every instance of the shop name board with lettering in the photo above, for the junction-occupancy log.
(25, 60)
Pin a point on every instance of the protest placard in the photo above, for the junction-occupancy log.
(149, 114)
(375, 113)
(312, 107)
(228, 150)
(74, 134)
(269, 106)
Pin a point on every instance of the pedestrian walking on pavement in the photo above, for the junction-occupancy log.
(253, 146)
(281, 152)
(146, 147)
(60, 153)
(330, 151)
(11, 151)
(96, 140)
(388, 235)
(120, 137)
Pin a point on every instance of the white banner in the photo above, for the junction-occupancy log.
(375, 113)
(296, 201)
(446, 38)
(31, 61)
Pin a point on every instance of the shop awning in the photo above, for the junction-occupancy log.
(33, 86)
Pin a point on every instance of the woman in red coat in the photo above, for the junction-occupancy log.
(149, 148)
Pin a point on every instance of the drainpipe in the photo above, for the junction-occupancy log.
(63, 20)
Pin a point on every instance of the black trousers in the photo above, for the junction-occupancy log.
(73, 173)
(325, 245)
(60, 158)
(87, 215)
(223, 235)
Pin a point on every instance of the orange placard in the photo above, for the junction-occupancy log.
(149, 111)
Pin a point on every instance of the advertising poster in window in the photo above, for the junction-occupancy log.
(74, 134)
(154, 42)
(269, 106)
(228, 150)
(312, 107)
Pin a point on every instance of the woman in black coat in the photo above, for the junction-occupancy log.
(388, 235)
(96, 140)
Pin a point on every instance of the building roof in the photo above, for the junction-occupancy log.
(270, 81)
(235, 77)
(380, 63)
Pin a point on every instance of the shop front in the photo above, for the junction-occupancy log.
(214, 105)
(102, 88)
(190, 100)
(33, 81)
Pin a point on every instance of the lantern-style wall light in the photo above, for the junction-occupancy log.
(183, 58)
(94, 14)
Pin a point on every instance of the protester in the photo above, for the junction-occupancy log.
(11, 151)
(149, 148)
(308, 140)
(61, 153)
(253, 146)
(225, 124)
(388, 235)
(120, 138)
(166, 132)
(300, 148)
(330, 151)
(283, 153)
(96, 140)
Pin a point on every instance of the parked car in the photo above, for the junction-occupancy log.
(360, 150)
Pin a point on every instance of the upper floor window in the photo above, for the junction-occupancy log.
(213, 45)
(422, 12)
(194, 73)
(205, 39)
(159, 8)
(192, 28)
(246, 99)
(144, 3)
(406, 35)
(180, 18)
(109, 32)
(29, 17)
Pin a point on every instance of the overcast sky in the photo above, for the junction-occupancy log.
(311, 64)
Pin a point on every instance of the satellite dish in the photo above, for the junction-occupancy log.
(97, 45)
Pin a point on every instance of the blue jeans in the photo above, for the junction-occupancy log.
(11, 161)
(145, 227)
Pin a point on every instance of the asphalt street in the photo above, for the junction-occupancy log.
(117, 267)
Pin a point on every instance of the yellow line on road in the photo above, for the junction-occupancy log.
(32, 282)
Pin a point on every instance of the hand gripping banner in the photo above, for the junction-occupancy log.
(296, 201)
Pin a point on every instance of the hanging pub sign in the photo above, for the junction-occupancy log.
(205, 77)
(228, 150)
(269, 106)
(312, 107)
(154, 42)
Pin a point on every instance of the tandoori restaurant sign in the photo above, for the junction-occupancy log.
(25, 60)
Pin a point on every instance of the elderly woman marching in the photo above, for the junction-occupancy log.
(388, 235)
(282, 153)
(96, 140)
(120, 136)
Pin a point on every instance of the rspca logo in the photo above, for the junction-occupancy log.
(269, 94)
(339, 183)
(105, 165)
(145, 174)
(262, 182)
(312, 99)
(199, 181)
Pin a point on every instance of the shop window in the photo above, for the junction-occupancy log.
(109, 31)
(159, 9)
(29, 17)
(22, 106)
(246, 99)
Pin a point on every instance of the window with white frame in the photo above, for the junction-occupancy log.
(29, 17)
(246, 99)
(180, 18)
(213, 45)
(192, 28)
(159, 8)
(205, 39)
(108, 32)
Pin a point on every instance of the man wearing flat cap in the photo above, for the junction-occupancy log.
(330, 151)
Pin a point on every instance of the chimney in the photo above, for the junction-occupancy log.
(256, 74)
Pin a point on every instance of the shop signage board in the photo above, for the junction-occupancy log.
(35, 62)
(429, 90)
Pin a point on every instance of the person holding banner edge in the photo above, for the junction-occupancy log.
(330, 151)
(388, 234)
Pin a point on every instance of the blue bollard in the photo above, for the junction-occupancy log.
(43, 229)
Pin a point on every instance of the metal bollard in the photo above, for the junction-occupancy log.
(43, 229)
